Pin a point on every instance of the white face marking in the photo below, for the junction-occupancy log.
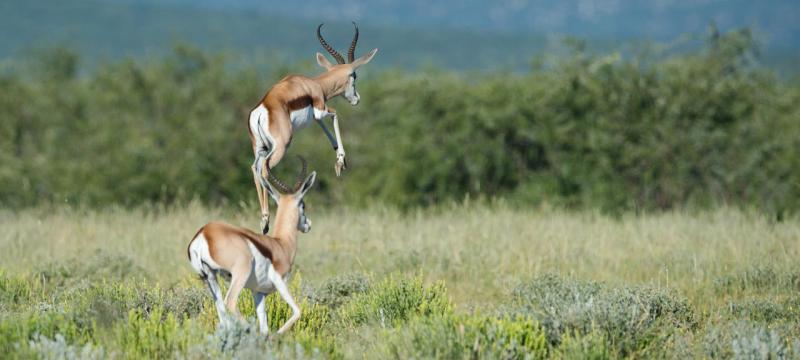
(302, 117)
(303, 223)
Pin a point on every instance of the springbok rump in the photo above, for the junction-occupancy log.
(260, 263)
(292, 103)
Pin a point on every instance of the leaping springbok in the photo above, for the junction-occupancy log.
(260, 263)
(292, 103)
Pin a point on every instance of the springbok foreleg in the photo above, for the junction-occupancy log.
(283, 290)
(341, 163)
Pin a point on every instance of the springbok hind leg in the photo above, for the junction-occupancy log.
(262, 198)
(261, 312)
(239, 273)
(216, 293)
(283, 290)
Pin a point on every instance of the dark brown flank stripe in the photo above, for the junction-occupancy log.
(299, 103)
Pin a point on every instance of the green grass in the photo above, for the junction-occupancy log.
(486, 281)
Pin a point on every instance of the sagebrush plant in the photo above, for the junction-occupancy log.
(742, 339)
(630, 317)
(57, 348)
(339, 289)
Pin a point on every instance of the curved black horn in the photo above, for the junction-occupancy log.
(351, 53)
(278, 184)
(301, 177)
(327, 47)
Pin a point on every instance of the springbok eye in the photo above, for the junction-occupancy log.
(353, 75)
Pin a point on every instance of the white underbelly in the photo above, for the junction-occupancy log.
(302, 117)
(259, 279)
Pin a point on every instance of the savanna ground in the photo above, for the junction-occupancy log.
(461, 281)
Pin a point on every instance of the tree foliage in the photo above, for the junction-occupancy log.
(612, 132)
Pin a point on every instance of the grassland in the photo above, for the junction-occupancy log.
(459, 281)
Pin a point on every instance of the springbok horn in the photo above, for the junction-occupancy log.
(351, 53)
(327, 47)
(301, 177)
(278, 184)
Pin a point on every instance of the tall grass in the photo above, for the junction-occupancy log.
(116, 282)
(480, 251)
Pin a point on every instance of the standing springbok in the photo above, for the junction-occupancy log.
(292, 103)
(260, 263)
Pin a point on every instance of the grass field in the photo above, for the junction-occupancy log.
(486, 281)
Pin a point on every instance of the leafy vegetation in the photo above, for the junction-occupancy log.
(610, 132)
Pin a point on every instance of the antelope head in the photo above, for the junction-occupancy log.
(290, 199)
(344, 70)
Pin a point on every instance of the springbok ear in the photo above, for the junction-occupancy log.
(364, 59)
(323, 61)
(307, 184)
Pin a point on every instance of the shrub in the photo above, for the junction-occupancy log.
(395, 300)
(629, 317)
(156, 335)
(58, 349)
(243, 341)
(466, 337)
(748, 340)
(106, 302)
(339, 289)
(591, 346)
(16, 330)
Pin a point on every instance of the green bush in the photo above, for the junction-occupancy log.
(157, 335)
(395, 300)
(17, 329)
(631, 318)
(467, 337)
(699, 128)
(590, 346)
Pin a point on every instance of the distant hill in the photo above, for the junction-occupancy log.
(110, 30)
(612, 19)
(474, 35)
